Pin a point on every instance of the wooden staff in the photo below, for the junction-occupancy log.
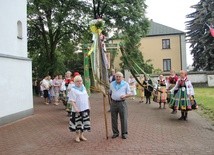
(105, 115)
(103, 87)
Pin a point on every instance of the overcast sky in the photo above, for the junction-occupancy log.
(171, 13)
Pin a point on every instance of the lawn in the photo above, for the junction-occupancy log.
(205, 99)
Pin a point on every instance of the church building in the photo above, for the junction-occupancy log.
(16, 99)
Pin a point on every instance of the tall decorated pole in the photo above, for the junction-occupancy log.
(86, 69)
(99, 63)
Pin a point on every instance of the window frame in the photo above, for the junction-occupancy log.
(165, 41)
(167, 60)
(19, 30)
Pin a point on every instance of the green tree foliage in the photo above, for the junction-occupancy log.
(131, 40)
(52, 25)
(56, 27)
(126, 17)
(202, 43)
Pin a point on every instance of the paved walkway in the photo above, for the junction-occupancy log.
(151, 131)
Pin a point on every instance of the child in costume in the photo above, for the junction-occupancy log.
(141, 89)
(171, 81)
(161, 91)
(184, 98)
(148, 88)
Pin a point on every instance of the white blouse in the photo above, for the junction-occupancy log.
(189, 87)
(80, 98)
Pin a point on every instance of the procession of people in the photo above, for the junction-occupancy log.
(176, 90)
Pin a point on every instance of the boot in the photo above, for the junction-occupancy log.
(149, 101)
(146, 100)
(82, 137)
(77, 138)
(159, 105)
(164, 105)
(182, 116)
(185, 115)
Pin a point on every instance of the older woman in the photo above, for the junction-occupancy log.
(79, 120)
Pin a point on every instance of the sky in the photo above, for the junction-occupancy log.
(171, 13)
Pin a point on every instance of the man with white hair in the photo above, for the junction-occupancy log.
(119, 90)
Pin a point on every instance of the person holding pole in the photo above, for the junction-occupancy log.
(119, 90)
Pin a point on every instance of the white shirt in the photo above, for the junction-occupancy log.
(132, 81)
(117, 93)
(80, 98)
(189, 87)
(63, 88)
(70, 85)
(45, 84)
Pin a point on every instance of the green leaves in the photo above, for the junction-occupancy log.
(52, 25)
(56, 27)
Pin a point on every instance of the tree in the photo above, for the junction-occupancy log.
(56, 27)
(126, 18)
(51, 25)
(202, 43)
(131, 41)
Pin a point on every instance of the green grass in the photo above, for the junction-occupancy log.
(205, 99)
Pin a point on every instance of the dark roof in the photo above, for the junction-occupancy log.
(157, 29)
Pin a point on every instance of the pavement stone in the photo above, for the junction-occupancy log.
(152, 131)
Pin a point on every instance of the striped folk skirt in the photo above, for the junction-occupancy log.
(181, 101)
(80, 121)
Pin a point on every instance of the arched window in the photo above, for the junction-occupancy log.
(19, 29)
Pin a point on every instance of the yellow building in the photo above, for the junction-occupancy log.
(164, 46)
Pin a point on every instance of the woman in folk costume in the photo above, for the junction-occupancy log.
(141, 89)
(79, 119)
(148, 88)
(184, 98)
(132, 84)
(161, 91)
(171, 81)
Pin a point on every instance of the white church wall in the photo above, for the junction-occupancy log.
(15, 68)
(16, 94)
(10, 13)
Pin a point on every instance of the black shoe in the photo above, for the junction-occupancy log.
(69, 114)
(174, 112)
(124, 136)
(181, 118)
(114, 136)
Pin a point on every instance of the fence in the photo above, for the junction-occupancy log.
(205, 79)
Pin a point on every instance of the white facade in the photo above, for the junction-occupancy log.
(10, 13)
(15, 68)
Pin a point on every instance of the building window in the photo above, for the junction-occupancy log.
(19, 29)
(165, 43)
(166, 65)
